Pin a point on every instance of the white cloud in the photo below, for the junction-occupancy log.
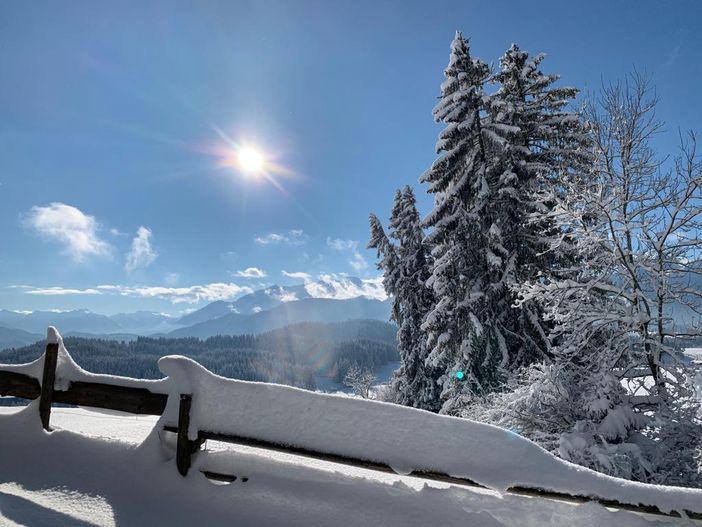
(298, 275)
(269, 239)
(251, 272)
(69, 226)
(180, 295)
(357, 261)
(60, 291)
(331, 285)
(141, 254)
(342, 287)
(288, 296)
(342, 245)
(294, 237)
(176, 295)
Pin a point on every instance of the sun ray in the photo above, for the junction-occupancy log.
(249, 159)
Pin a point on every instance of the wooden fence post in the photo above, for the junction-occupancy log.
(183, 448)
(47, 384)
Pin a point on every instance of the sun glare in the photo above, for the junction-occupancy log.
(250, 160)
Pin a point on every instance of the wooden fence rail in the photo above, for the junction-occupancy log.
(94, 394)
(142, 401)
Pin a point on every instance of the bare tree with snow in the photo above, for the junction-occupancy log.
(632, 228)
(360, 380)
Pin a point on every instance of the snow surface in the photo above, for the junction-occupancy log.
(694, 353)
(404, 438)
(44, 475)
(52, 335)
(78, 475)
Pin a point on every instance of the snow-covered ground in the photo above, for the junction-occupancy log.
(694, 353)
(99, 468)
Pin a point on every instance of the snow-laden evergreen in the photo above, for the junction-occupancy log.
(416, 381)
(406, 271)
(560, 251)
(497, 151)
(388, 260)
(456, 337)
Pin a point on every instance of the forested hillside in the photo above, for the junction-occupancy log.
(292, 355)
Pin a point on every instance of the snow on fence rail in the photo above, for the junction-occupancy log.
(198, 405)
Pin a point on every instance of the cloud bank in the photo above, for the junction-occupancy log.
(339, 286)
(297, 274)
(342, 287)
(176, 295)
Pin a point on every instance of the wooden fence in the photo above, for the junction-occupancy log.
(142, 401)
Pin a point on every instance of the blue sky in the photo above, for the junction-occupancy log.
(113, 118)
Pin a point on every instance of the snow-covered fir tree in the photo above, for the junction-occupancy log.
(496, 152)
(416, 382)
(459, 180)
(388, 261)
(406, 270)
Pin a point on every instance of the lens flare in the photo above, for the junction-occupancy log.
(250, 160)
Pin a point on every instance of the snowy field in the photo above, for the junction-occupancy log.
(106, 468)
(101, 468)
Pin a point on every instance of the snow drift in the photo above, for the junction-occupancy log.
(404, 438)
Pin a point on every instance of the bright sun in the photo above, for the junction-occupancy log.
(250, 160)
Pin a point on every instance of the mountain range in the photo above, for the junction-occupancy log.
(284, 314)
(263, 310)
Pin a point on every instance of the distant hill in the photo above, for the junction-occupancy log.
(15, 338)
(213, 310)
(260, 300)
(118, 337)
(144, 322)
(80, 320)
(306, 310)
(294, 355)
(268, 298)
(329, 299)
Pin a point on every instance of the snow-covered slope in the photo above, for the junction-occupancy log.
(404, 438)
(212, 310)
(105, 469)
